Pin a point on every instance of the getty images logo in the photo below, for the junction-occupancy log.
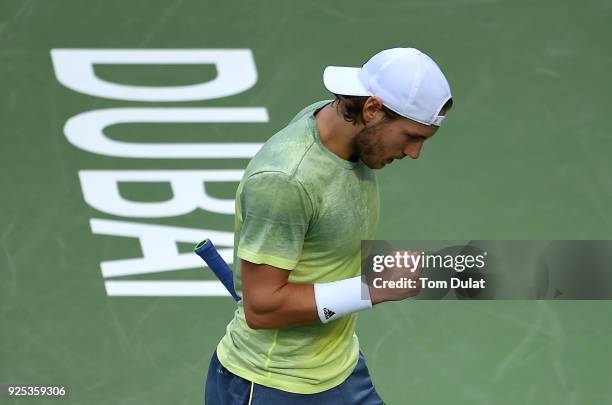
(236, 73)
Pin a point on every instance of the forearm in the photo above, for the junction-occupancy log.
(295, 304)
(290, 305)
(271, 301)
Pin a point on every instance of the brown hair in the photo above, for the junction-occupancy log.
(352, 107)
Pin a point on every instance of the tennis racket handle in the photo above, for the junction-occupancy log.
(207, 251)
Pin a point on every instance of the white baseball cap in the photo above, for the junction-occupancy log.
(409, 83)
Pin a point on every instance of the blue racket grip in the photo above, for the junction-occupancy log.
(207, 251)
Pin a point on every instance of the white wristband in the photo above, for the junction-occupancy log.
(338, 298)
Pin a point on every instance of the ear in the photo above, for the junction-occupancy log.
(372, 109)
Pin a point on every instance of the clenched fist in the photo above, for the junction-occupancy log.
(395, 276)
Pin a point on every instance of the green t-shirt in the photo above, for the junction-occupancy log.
(302, 208)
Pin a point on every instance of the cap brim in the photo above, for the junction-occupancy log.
(344, 81)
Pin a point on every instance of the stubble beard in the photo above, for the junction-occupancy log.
(368, 148)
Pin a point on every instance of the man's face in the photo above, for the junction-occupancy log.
(385, 140)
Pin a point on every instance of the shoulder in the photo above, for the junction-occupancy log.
(309, 110)
(286, 149)
(272, 178)
(275, 185)
(275, 194)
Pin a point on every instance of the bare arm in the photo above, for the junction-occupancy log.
(271, 301)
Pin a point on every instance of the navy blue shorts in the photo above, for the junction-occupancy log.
(225, 388)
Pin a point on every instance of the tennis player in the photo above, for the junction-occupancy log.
(306, 201)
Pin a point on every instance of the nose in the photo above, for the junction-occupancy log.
(413, 149)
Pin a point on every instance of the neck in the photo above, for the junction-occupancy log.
(337, 134)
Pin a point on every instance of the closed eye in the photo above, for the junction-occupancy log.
(415, 137)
